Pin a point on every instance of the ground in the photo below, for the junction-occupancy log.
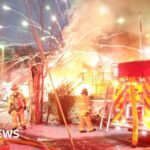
(57, 136)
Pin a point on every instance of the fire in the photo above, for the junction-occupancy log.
(115, 83)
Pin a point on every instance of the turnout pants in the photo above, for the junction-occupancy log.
(18, 117)
(85, 121)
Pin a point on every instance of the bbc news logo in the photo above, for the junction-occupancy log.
(9, 133)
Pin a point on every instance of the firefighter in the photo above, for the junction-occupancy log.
(16, 107)
(85, 109)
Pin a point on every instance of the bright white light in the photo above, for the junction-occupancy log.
(25, 23)
(47, 7)
(94, 60)
(144, 133)
(67, 54)
(147, 35)
(1, 27)
(53, 18)
(56, 52)
(52, 37)
(146, 51)
(115, 71)
(84, 70)
(121, 20)
(115, 83)
(2, 46)
(43, 38)
(103, 10)
(5, 7)
(49, 28)
(107, 59)
(25, 90)
(51, 65)
(118, 128)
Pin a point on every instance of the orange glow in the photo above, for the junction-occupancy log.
(73, 68)
(134, 83)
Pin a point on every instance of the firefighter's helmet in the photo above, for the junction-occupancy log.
(14, 87)
(85, 91)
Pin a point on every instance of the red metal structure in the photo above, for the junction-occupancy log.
(131, 95)
(134, 69)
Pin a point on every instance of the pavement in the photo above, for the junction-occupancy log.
(57, 136)
(21, 147)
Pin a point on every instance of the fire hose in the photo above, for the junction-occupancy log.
(30, 142)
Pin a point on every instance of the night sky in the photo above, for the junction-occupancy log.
(12, 30)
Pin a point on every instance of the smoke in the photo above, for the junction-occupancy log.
(93, 24)
(85, 25)
(98, 18)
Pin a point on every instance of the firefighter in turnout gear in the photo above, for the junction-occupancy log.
(85, 109)
(16, 107)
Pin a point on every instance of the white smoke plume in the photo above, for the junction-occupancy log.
(93, 20)
(86, 24)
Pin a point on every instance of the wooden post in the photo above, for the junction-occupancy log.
(42, 93)
(36, 73)
(134, 114)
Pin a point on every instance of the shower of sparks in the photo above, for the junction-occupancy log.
(78, 37)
